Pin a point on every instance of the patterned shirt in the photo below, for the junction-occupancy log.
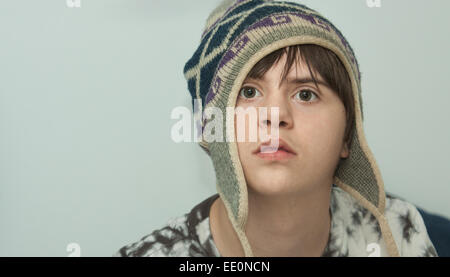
(354, 232)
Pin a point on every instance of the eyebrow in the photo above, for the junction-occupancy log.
(305, 80)
(296, 81)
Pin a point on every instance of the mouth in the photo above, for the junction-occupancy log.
(268, 152)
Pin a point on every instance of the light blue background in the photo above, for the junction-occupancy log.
(85, 101)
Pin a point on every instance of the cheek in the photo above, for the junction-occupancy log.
(246, 128)
(242, 146)
(324, 131)
(246, 143)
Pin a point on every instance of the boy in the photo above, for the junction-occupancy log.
(319, 191)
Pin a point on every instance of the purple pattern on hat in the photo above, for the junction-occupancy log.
(285, 19)
(213, 90)
(307, 17)
(271, 21)
(324, 25)
(230, 54)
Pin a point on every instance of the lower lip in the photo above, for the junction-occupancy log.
(276, 156)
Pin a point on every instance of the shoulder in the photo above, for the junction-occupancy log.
(406, 224)
(181, 236)
(172, 239)
(408, 228)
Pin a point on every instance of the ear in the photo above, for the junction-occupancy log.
(344, 151)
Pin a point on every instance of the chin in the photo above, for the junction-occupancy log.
(270, 183)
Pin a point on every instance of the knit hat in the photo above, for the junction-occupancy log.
(236, 36)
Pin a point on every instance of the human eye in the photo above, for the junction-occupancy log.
(248, 92)
(305, 95)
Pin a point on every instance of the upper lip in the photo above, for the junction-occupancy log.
(281, 145)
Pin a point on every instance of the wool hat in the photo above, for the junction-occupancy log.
(239, 33)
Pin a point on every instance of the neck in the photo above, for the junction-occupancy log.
(289, 225)
(283, 225)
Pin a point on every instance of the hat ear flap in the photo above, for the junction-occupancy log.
(358, 172)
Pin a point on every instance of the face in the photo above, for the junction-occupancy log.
(311, 122)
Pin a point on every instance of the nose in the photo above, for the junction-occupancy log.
(283, 118)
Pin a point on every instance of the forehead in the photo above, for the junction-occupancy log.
(298, 73)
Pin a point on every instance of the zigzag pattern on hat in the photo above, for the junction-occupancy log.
(218, 36)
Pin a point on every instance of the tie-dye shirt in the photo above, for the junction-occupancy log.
(354, 232)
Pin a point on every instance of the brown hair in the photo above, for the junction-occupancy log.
(323, 61)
